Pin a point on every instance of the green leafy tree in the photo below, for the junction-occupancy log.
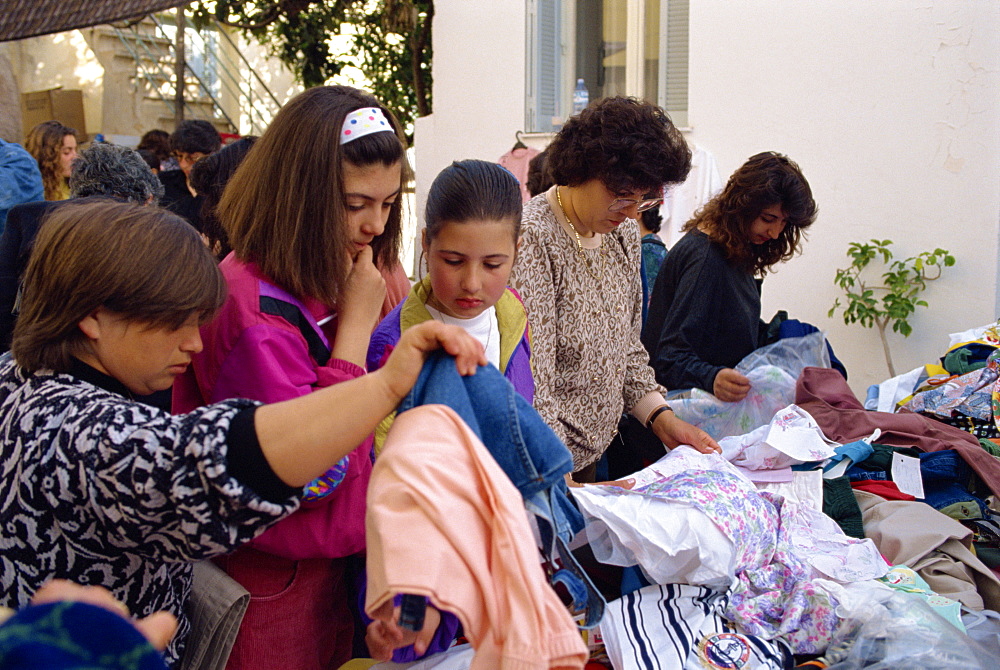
(891, 302)
(391, 42)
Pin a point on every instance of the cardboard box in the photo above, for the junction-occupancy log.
(54, 104)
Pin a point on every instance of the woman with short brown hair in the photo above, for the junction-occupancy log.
(578, 273)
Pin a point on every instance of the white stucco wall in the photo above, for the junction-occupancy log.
(891, 108)
(479, 60)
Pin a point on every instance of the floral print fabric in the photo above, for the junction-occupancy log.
(782, 551)
(970, 394)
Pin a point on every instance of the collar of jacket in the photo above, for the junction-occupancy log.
(512, 319)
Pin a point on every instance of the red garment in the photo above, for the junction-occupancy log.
(285, 598)
(885, 489)
(824, 393)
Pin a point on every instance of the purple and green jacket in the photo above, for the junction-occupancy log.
(515, 336)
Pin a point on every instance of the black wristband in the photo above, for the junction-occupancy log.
(657, 412)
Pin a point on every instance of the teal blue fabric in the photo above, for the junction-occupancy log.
(20, 180)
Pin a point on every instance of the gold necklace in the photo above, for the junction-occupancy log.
(598, 276)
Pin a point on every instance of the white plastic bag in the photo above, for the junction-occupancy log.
(772, 371)
(790, 354)
(890, 630)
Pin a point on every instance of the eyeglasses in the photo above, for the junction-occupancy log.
(192, 158)
(640, 205)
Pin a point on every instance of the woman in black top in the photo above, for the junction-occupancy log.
(704, 312)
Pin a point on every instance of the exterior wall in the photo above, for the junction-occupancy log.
(479, 92)
(63, 59)
(275, 75)
(94, 61)
(890, 108)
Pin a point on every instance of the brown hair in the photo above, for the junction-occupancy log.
(44, 142)
(284, 208)
(142, 262)
(629, 144)
(766, 179)
(473, 190)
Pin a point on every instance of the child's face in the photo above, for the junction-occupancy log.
(369, 193)
(469, 264)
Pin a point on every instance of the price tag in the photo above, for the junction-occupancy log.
(906, 474)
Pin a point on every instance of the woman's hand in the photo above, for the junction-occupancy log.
(384, 635)
(403, 366)
(674, 432)
(730, 385)
(158, 627)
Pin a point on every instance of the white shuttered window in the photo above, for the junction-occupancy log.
(618, 47)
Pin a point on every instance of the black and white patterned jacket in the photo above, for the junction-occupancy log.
(102, 490)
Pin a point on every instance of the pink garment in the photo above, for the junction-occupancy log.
(445, 522)
(397, 287)
(517, 161)
(251, 354)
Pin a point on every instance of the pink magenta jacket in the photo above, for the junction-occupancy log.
(267, 345)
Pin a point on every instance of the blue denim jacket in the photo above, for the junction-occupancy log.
(528, 452)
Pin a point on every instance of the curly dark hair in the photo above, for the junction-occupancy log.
(195, 136)
(538, 180)
(766, 179)
(629, 144)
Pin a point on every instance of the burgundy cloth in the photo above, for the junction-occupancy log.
(824, 393)
(885, 489)
(283, 596)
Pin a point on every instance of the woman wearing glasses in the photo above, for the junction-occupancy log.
(578, 274)
(704, 312)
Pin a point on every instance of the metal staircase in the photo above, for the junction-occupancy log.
(220, 85)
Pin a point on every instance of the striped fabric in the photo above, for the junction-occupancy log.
(679, 627)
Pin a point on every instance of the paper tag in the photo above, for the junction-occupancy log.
(906, 474)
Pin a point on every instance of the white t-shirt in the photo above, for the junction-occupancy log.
(483, 327)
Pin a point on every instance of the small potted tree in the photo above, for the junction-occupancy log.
(892, 301)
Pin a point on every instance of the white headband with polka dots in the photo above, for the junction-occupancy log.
(364, 121)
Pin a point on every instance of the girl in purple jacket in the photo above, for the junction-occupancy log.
(473, 219)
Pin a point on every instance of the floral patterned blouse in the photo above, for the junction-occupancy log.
(585, 309)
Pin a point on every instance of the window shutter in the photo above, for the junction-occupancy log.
(544, 51)
(674, 66)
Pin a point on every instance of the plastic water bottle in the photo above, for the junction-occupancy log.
(581, 97)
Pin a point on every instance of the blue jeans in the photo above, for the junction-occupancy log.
(527, 450)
